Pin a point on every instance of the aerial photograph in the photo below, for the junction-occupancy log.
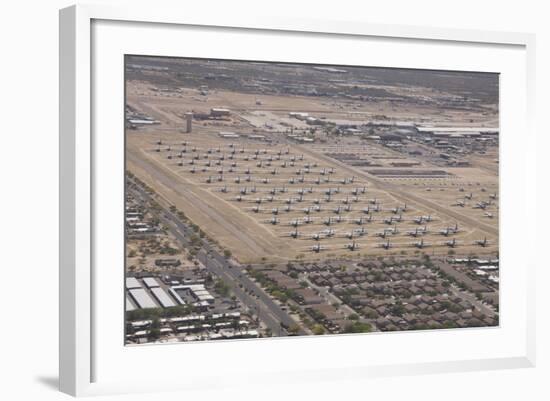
(268, 199)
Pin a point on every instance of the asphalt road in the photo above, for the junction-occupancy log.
(268, 311)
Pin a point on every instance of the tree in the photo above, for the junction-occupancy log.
(318, 329)
(353, 316)
(293, 328)
(358, 327)
(227, 253)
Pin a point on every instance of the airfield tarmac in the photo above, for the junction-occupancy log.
(254, 225)
(283, 212)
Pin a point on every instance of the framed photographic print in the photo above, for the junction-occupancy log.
(299, 199)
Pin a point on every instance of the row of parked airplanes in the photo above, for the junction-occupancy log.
(255, 155)
(331, 220)
(187, 146)
(353, 246)
(417, 232)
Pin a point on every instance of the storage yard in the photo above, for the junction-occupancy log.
(338, 165)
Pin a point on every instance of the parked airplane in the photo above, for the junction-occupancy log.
(482, 242)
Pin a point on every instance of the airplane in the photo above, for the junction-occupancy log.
(295, 234)
(468, 196)
(328, 221)
(493, 196)
(294, 223)
(354, 233)
(459, 203)
(357, 191)
(347, 201)
(373, 201)
(452, 243)
(489, 215)
(239, 198)
(390, 220)
(360, 221)
(288, 208)
(317, 248)
(352, 246)
(308, 220)
(209, 179)
(398, 209)
(382, 234)
(366, 210)
(328, 232)
(418, 232)
(420, 244)
(481, 205)
(275, 211)
(482, 242)
(256, 209)
(349, 235)
(449, 230)
(274, 220)
(386, 245)
(421, 219)
(392, 230)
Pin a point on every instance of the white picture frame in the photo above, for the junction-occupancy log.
(80, 346)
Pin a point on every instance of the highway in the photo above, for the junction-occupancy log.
(241, 285)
